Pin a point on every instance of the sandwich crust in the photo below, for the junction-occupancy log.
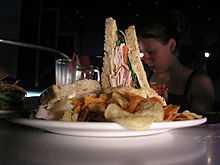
(109, 47)
(134, 56)
(136, 64)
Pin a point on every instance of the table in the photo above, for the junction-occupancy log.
(30, 146)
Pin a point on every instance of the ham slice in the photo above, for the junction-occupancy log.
(121, 75)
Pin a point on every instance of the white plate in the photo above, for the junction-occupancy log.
(103, 129)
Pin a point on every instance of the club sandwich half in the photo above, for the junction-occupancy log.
(122, 66)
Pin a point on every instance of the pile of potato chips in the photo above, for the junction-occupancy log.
(171, 114)
(129, 110)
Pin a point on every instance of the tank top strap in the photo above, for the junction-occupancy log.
(189, 82)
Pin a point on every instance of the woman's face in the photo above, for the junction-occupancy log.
(157, 55)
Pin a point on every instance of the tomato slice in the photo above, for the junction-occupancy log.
(125, 54)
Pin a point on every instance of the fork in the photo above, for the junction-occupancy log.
(34, 46)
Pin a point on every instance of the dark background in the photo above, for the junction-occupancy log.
(71, 27)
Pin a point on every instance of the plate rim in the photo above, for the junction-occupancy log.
(105, 129)
(104, 125)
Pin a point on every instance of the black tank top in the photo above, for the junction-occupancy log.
(182, 99)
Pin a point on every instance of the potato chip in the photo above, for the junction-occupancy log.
(120, 100)
(170, 112)
(134, 100)
(114, 111)
(135, 122)
(187, 115)
(151, 110)
(133, 91)
(67, 116)
(70, 116)
(194, 115)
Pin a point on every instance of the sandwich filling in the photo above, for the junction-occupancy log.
(122, 73)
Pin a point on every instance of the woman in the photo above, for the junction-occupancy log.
(159, 41)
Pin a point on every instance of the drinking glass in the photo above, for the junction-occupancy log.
(64, 72)
(87, 72)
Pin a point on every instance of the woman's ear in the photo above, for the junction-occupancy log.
(172, 44)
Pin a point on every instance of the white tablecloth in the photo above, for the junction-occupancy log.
(21, 145)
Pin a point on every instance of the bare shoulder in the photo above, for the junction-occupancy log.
(201, 93)
(201, 80)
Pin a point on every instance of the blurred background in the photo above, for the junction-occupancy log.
(79, 28)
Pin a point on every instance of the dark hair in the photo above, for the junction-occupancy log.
(163, 26)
